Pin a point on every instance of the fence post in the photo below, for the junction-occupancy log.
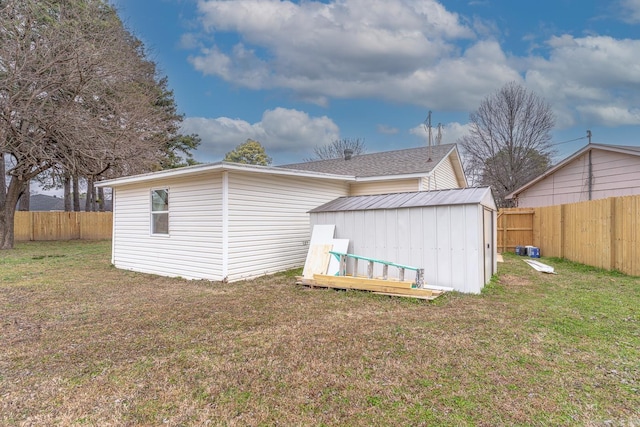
(562, 227)
(31, 226)
(505, 226)
(612, 233)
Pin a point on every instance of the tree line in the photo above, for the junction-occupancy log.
(79, 101)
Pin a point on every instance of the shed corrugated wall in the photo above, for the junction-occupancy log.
(440, 231)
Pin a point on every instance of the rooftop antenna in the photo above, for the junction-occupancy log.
(427, 127)
(439, 134)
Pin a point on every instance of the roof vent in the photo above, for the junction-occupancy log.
(348, 152)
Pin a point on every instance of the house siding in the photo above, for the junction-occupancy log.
(268, 221)
(614, 174)
(384, 187)
(442, 178)
(193, 248)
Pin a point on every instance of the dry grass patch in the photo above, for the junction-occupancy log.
(84, 343)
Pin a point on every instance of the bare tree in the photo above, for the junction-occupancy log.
(75, 93)
(509, 141)
(335, 149)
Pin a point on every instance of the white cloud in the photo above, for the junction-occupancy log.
(451, 132)
(612, 115)
(631, 11)
(350, 48)
(386, 130)
(280, 131)
(594, 79)
(189, 41)
(412, 51)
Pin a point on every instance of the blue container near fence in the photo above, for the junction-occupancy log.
(519, 250)
(534, 252)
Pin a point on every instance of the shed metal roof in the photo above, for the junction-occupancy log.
(457, 196)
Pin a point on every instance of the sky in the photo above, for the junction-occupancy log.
(299, 74)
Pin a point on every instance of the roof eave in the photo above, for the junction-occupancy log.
(551, 171)
(391, 177)
(215, 167)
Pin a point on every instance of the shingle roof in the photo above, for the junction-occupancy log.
(457, 196)
(387, 163)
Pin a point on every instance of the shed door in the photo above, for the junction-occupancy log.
(488, 245)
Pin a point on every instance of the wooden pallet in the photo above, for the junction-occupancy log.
(378, 286)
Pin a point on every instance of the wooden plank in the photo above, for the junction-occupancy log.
(365, 284)
(318, 255)
(424, 297)
(424, 294)
(317, 261)
(516, 212)
(361, 280)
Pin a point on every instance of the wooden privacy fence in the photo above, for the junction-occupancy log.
(602, 233)
(63, 225)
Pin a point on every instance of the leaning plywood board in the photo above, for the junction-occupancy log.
(339, 245)
(317, 261)
(319, 246)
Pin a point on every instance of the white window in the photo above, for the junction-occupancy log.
(160, 211)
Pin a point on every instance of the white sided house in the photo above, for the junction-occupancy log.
(596, 171)
(227, 221)
(220, 221)
(450, 233)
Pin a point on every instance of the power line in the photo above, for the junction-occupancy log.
(570, 140)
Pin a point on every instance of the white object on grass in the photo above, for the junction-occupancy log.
(537, 265)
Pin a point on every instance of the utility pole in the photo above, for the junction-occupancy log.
(428, 129)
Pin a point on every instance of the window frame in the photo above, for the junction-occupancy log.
(153, 213)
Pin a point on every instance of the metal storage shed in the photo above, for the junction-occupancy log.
(450, 233)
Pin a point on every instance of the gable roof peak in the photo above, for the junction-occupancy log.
(386, 163)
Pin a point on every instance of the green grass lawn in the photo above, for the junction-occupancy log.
(82, 343)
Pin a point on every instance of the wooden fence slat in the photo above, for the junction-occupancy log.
(602, 233)
(37, 226)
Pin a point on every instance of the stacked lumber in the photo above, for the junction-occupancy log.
(324, 270)
(377, 286)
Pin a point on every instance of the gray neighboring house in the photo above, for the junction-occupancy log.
(596, 171)
(43, 202)
(412, 169)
